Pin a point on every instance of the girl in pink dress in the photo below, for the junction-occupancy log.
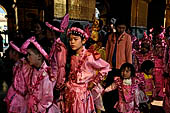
(40, 87)
(86, 71)
(16, 96)
(128, 88)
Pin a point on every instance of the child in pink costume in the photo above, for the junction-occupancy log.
(87, 70)
(158, 52)
(128, 88)
(158, 75)
(144, 53)
(149, 88)
(16, 96)
(40, 87)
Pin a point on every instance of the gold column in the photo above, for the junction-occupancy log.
(59, 8)
(139, 12)
(167, 13)
(77, 9)
(81, 9)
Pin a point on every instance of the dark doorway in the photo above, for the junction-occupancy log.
(116, 8)
(156, 13)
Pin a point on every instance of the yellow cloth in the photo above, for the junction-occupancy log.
(148, 93)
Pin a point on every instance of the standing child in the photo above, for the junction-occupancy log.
(86, 71)
(144, 52)
(40, 88)
(147, 72)
(16, 96)
(128, 88)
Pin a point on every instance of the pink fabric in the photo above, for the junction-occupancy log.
(17, 93)
(63, 25)
(83, 70)
(148, 85)
(158, 75)
(166, 105)
(140, 58)
(64, 22)
(128, 95)
(24, 46)
(97, 96)
(14, 46)
(38, 46)
(54, 28)
(124, 49)
(57, 60)
(41, 91)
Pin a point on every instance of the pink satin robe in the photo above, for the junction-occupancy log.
(40, 98)
(57, 60)
(128, 94)
(16, 96)
(158, 75)
(166, 103)
(139, 58)
(78, 98)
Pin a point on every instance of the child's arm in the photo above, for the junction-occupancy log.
(113, 86)
(58, 61)
(102, 67)
(61, 59)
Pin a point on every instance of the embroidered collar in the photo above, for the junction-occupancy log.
(127, 81)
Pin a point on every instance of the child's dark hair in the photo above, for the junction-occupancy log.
(36, 51)
(147, 65)
(33, 48)
(130, 66)
(78, 25)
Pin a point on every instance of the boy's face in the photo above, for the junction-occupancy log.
(126, 73)
(76, 42)
(121, 28)
(32, 58)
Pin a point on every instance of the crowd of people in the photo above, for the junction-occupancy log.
(94, 71)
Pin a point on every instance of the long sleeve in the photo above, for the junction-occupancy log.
(58, 61)
(102, 68)
(128, 50)
(61, 59)
(112, 87)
